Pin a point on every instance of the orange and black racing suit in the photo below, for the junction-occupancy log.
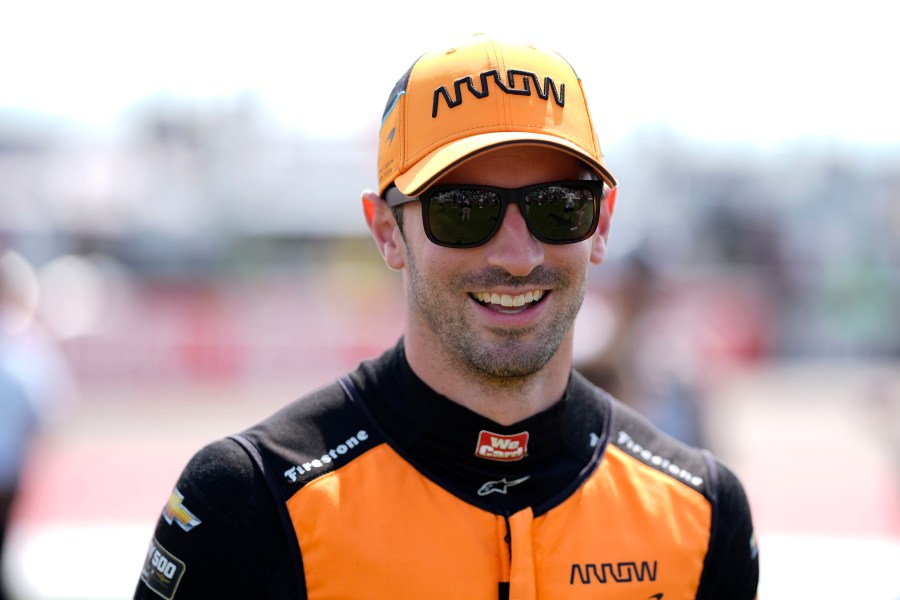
(376, 487)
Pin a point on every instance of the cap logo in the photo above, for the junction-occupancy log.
(559, 93)
(495, 446)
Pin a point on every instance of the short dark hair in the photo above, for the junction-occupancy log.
(397, 211)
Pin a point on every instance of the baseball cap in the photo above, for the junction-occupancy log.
(485, 93)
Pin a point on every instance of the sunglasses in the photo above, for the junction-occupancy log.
(466, 216)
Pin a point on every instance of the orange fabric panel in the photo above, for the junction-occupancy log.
(376, 528)
(522, 577)
(627, 522)
(383, 531)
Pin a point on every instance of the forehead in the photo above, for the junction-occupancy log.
(517, 166)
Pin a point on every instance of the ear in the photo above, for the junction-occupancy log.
(385, 230)
(611, 200)
(601, 236)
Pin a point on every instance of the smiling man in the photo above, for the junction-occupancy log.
(490, 326)
(469, 460)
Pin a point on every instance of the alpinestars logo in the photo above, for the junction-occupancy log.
(500, 487)
(494, 446)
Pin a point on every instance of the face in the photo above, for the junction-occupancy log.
(504, 309)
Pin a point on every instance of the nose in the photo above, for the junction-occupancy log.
(513, 248)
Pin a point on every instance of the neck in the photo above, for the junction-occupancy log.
(504, 400)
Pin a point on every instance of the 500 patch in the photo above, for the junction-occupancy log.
(162, 571)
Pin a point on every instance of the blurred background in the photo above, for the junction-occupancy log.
(182, 251)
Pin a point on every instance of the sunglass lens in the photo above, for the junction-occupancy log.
(560, 213)
(463, 216)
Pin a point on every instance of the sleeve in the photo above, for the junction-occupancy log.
(731, 568)
(219, 535)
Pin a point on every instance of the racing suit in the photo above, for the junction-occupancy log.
(377, 487)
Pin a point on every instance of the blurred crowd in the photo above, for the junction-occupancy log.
(160, 235)
(37, 386)
(200, 242)
(157, 239)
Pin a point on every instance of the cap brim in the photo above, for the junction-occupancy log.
(433, 166)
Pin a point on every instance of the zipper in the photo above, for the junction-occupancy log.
(503, 586)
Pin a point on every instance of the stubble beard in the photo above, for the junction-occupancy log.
(500, 357)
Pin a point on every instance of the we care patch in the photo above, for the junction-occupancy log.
(495, 446)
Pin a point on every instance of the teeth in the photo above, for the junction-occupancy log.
(509, 301)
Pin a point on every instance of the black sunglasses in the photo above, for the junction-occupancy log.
(465, 216)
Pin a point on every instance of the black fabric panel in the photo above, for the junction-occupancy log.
(731, 568)
(503, 590)
(311, 437)
(281, 509)
(239, 548)
(242, 548)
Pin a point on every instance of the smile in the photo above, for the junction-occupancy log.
(508, 301)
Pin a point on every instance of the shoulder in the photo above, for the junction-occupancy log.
(219, 481)
(304, 439)
(731, 568)
(695, 467)
(636, 437)
(226, 477)
(307, 416)
(311, 437)
(731, 565)
(226, 513)
(218, 518)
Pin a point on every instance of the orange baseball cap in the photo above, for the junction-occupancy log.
(486, 93)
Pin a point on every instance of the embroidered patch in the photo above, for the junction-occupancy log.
(494, 446)
(176, 512)
(162, 572)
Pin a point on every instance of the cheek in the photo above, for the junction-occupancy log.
(573, 256)
(442, 270)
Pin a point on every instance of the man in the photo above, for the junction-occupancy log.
(469, 461)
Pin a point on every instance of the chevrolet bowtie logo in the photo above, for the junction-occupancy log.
(175, 512)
